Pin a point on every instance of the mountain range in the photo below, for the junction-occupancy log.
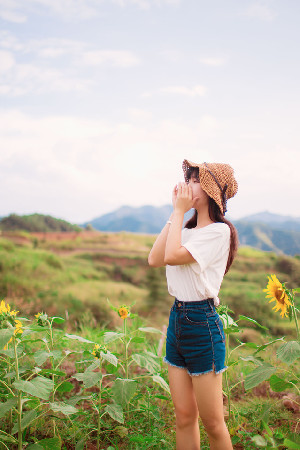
(265, 230)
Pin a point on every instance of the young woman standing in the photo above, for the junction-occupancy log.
(196, 259)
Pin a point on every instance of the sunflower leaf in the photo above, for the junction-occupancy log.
(262, 347)
(7, 406)
(288, 352)
(259, 440)
(290, 444)
(259, 374)
(46, 444)
(241, 317)
(278, 384)
(158, 379)
(58, 319)
(89, 378)
(63, 407)
(258, 361)
(110, 357)
(229, 323)
(79, 338)
(115, 411)
(146, 361)
(150, 330)
(111, 336)
(40, 387)
(5, 335)
(27, 418)
(123, 390)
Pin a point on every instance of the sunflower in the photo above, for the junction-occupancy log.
(18, 325)
(123, 312)
(98, 349)
(41, 319)
(6, 309)
(277, 293)
(7, 317)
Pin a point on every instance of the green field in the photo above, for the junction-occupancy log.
(80, 274)
(73, 278)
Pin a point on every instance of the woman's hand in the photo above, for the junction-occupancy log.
(184, 199)
(174, 195)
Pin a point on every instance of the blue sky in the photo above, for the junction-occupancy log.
(101, 100)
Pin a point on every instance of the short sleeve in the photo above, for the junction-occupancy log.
(208, 244)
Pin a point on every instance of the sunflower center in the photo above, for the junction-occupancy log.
(279, 294)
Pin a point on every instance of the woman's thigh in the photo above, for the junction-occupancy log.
(182, 392)
(209, 397)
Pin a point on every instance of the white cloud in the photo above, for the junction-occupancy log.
(183, 90)
(18, 10)
(95, 165)
(98, 165)
(19, 79)
(171, 55)
(8, 41)
(139, 114)
(43, 73)
(7, 61)
(12, 16)
(179, 90)
(261, 11)
(110, 57)
(146, 4)
(213, 61)
(44, 47)
(79, 52)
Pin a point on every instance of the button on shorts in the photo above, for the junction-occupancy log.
(195, 337)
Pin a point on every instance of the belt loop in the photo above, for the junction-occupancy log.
(211, 304)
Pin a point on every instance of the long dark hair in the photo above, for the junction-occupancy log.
(215, 215)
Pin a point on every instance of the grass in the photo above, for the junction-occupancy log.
(114, 265)
(153, 425)
(75, 278)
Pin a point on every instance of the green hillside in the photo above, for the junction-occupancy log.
(269, 238)
(35, 223)
(72, 279)
(76, 277)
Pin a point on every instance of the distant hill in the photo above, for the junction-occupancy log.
(145, 219)
(276, 221)
(266, 231)
(267, 238)
(35, 222)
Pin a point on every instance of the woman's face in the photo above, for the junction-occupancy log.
(197, 191)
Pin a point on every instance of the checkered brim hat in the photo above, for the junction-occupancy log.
(216, 179)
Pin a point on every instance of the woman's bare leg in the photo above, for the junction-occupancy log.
(209, 397)
(186, 410)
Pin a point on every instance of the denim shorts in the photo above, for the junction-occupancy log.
(195, 337)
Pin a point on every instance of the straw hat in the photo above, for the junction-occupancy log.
(216, 179)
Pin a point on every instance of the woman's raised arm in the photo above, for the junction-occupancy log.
(156, 256)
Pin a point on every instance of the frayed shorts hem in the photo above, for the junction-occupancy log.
(194, 374)
(173, 365)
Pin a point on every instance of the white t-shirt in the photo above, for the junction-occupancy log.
(209, 246)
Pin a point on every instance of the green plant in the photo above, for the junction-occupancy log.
(32, 392)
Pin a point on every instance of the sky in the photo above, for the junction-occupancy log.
(102, 100)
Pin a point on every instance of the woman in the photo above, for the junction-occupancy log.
(196, 259)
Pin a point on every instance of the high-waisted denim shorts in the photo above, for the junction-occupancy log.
(195, 337)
